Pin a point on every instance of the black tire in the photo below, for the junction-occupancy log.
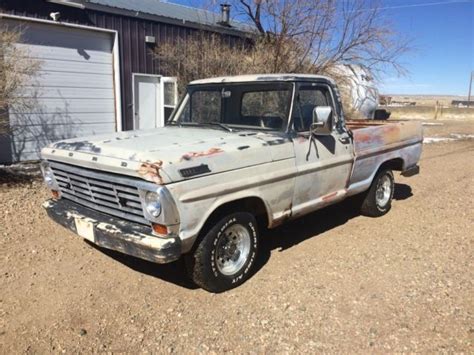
(206, 265)
(376, 207)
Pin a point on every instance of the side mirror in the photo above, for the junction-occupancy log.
(322, 121)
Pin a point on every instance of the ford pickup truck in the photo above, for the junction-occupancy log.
(239, 154)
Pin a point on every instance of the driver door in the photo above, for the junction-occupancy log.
(323, 163)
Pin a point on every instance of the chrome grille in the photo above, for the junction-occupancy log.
(99, 191)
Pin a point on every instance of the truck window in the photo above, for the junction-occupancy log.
(308, 98)
(206, 106)
(267, 108)
(250, 106)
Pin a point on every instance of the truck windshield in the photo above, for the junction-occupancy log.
(254, 106)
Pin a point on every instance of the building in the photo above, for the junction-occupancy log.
(97, 74)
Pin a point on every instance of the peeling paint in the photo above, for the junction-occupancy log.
(151, 171)
(83, 146)
(330, 196)
(209, 152)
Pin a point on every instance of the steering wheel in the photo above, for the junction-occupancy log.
(267, 116)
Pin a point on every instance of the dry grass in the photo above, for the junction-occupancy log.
(428, 100)
(431, 113)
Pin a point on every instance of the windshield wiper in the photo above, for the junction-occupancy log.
(222, 125)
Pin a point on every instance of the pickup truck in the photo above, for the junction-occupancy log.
(239, 154)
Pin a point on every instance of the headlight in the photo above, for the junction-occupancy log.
(49, 177)
(153, 204)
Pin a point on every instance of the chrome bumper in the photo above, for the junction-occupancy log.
(115, 233)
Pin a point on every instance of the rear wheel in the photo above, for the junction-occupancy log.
(378, 199)
(225, 256)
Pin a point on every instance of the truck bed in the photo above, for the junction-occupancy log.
(376, 142)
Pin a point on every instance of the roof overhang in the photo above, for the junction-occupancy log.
(224, 29)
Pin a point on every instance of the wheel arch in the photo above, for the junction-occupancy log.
(396, 164)
(252, 204)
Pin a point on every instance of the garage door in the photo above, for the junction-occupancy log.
(73, 93)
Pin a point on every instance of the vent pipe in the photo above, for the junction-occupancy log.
(225, 13)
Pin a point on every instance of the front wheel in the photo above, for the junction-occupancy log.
(378, 199)
(225, 256)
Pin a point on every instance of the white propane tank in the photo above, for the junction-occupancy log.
(365, 95)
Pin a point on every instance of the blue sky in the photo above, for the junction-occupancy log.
(442, 33)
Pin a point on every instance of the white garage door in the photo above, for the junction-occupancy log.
(73, 93)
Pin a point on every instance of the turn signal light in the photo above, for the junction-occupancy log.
(159, 229)
(55, 194)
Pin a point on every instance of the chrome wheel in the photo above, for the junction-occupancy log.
(384, 191)
(233, 249)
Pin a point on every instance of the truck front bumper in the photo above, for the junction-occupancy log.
(113, 233)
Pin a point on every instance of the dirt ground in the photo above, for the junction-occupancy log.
(333, 281)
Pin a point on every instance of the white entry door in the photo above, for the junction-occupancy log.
(153, 97)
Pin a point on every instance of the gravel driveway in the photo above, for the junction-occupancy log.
(333, 281)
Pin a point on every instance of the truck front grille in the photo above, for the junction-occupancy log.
(103, 192)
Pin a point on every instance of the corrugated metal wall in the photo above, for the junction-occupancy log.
(135, 54)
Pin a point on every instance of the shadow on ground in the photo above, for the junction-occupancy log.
(174, 272)
(402, 192)
(280, 239)
(19, 174)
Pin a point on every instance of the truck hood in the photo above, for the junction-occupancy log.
(172, 153)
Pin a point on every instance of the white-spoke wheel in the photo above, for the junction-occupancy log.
(384, 191)
(378, 199)
(226, 253)
(233, 249)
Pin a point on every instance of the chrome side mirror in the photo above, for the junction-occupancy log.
(322, 121)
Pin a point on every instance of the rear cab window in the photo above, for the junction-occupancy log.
(310, 96)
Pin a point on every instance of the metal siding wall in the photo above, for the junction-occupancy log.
(135, 54)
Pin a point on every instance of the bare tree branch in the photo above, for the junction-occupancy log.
(17, 69)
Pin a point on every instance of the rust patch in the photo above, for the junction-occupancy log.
(330, 196)
(211, 151)
(301, 139)
(366, 137)
(151, 171)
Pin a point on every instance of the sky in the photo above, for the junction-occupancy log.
(442, 35)
(442, 32)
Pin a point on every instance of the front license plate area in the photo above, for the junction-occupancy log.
(85, 229)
